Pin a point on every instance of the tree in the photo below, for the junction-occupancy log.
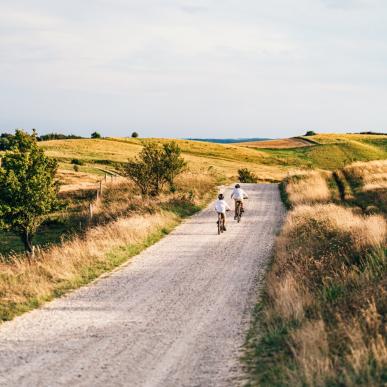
(310, 133)
(28, 190)
(154, 167)
(174, 164)
(134, 135)
(246, 176)
(95, 135)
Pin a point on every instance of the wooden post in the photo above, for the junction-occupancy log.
(100, 188)
(91, 211)
(105, 177)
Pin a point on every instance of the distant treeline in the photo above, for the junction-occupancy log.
(6, 139)
(380, 134)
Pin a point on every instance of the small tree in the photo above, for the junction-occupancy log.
(28, 190)
(154, 167)
(310, 133)
(134, 135)
(95, 135)
(174, 164)
(246, 176)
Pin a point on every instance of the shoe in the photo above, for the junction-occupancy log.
(224, 228)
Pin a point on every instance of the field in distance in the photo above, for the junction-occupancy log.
(327, 151)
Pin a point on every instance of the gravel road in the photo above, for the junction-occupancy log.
(175, 315)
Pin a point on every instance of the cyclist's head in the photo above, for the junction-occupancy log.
(237, 186)
(220, 196)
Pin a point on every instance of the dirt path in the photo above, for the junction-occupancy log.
(176, 315)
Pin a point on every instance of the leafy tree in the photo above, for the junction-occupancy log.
(134, 135)
(174, 164)
(95, 135)
(5, 141)
(154, 167)
(28, 190)
(246, 176)
(310, 133)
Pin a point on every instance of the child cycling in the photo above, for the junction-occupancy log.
(221, 207)
(238, 195)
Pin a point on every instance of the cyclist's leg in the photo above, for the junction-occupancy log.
(236, 209)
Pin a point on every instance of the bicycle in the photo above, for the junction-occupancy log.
(238, 210)
(220, 223)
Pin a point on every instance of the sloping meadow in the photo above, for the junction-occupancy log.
(322, 319)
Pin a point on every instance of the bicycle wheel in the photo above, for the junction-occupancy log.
(239, 212)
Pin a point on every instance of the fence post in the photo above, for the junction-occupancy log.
(91, 210)
(105, 177)
(100, 188)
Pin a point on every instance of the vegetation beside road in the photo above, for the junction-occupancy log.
(321, 320)
(98, 232)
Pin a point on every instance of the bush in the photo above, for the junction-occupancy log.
(76, 168)
(310, 133)
(246, 176)
(154, 167)
(134, 135)
(95, 135)
(77, 162)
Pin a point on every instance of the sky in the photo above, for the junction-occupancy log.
(193, 68)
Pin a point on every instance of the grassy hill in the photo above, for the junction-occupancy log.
(269, 160)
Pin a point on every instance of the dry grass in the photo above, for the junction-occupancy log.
(308, 187)
(323, 317)
(62, 265)
(370, 176)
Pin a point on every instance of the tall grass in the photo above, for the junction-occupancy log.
(308, 187)
(322, 318)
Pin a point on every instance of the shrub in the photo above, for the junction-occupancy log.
(77, 162)
(76, 168)
(310, 133)
(154, 167)
(95, 135)
(134, 135)
(246, 176)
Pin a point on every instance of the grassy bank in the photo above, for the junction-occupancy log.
(123, 225)
(321, 320)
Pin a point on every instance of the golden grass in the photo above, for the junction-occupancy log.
(285, 143)
(224, 160)
(371, 175)
(308, 187)
(23, 280)
(311, 350)
(322, 320)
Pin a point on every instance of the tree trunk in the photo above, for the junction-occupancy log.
(27, 241)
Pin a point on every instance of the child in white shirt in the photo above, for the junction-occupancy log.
(221, 207)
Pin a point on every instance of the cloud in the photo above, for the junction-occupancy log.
(187, 66)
